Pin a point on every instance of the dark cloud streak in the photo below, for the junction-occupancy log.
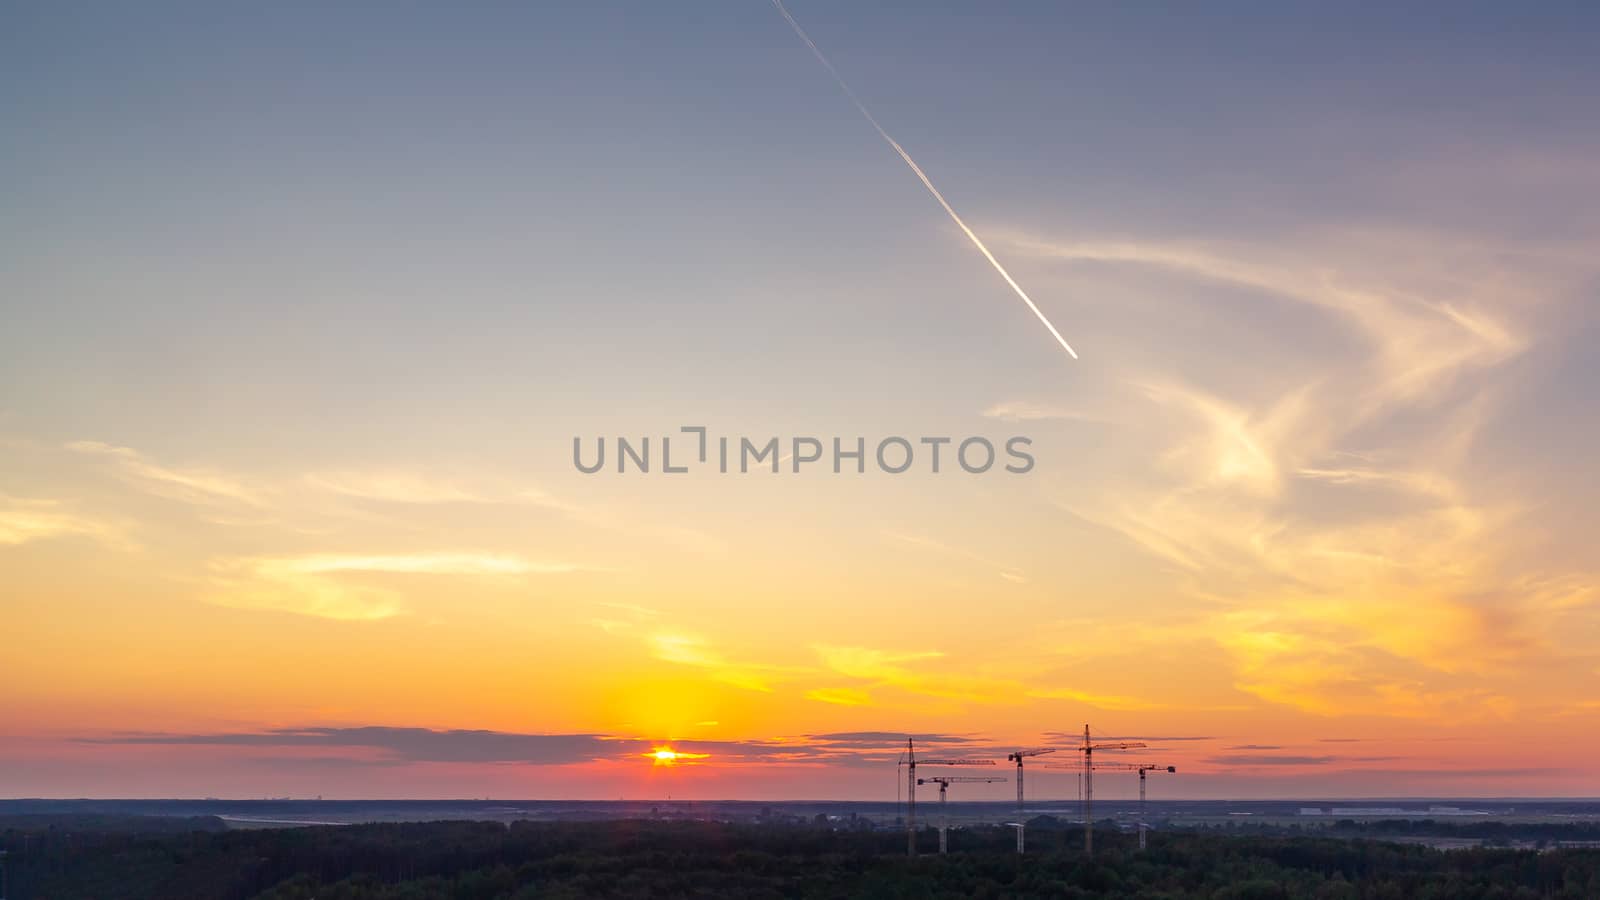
(388, 746)
(412, 744)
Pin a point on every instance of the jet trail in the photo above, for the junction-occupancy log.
(976, 242)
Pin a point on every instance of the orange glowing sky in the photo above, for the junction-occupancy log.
(295, 338)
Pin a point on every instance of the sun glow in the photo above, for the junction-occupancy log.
(666, 756)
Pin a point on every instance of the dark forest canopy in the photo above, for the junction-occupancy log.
(486, 861)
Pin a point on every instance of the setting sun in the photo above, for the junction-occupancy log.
(666, 756)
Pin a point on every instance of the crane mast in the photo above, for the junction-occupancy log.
(1017, 757)
(910, 761)
(944, 782)
(1142, 768)
(1087, 749)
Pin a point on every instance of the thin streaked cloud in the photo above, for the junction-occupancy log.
(191, 484)
(328, 585)
(25, 519)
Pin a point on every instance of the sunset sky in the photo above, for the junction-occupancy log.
(302, 305)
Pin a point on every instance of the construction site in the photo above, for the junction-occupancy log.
(1085, 766)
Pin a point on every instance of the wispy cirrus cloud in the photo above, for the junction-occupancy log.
(1098, 701)
(889, 739)
(25, 519)
(903, 671)
(840, 696)
(415, 564)
(190, 484)
(1418, 340)
(927, 673)
(420, 487)
(620, 618)
(1343, 562)
(685, 649)
(1034, 411)
(331, 586)
(1002, 570)
(395, 486)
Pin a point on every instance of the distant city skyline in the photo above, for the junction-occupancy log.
(304, 307)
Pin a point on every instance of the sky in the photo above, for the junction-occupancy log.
(304, 307)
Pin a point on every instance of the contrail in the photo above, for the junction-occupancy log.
(976, 242)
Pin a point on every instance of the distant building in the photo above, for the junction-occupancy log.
(1371, 811)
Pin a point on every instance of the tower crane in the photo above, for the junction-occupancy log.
(1087, 748)
(944, 782)
(1017, 758)
(910, 761)
(1142, 769)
